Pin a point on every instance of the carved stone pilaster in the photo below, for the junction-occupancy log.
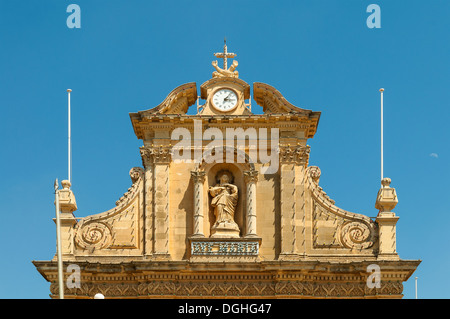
(251, 177)
(198, 178)
(288, 205)
(156, 160)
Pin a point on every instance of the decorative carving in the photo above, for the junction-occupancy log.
(94, 235)
(356, 235)
(156, 155)
(225, 72)
(268, 289)
(250, 176)
(315, 172)
(294, 154)
(136, 173)
(225, 196)
(198, 176)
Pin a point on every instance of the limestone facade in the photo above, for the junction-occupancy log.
(292, 242)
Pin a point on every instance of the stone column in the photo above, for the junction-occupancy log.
(387, 220)
(199, 179)
(251, 177)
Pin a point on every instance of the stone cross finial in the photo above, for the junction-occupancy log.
(225, 55)
(225, 72)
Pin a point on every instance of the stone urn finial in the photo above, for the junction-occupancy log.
(67, 198)
(66, 184)
(386, 182)
(387, 196)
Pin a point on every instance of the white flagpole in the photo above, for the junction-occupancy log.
(382, 174)
(416, 287)
(58, 243)
(69, 141)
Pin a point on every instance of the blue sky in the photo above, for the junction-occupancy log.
(128, 55)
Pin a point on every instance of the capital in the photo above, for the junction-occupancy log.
(155, 155)
(251, 176)
(297, 154)
(198, 176)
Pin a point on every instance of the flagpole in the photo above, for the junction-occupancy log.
(69, 146)
(382, 174)
(416, 286)
(58, 243)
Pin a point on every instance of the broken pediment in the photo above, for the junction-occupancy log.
(272, 101)
(177, 102)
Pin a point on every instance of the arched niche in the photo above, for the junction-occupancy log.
(240, 164)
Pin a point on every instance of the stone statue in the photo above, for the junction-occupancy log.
(225, 197)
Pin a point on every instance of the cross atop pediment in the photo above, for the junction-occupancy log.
(225, 55)
(225, 72)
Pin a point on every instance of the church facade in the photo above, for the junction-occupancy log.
(226, 205)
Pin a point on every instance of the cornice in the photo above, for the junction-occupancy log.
(294, 122)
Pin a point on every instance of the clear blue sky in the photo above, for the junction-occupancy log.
(128, 55)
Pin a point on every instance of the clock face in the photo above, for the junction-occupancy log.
(225, 100)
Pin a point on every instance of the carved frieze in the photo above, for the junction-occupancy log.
(267, 289)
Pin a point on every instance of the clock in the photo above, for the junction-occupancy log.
(225, 100)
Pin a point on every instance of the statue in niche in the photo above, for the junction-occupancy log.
(225, 197)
